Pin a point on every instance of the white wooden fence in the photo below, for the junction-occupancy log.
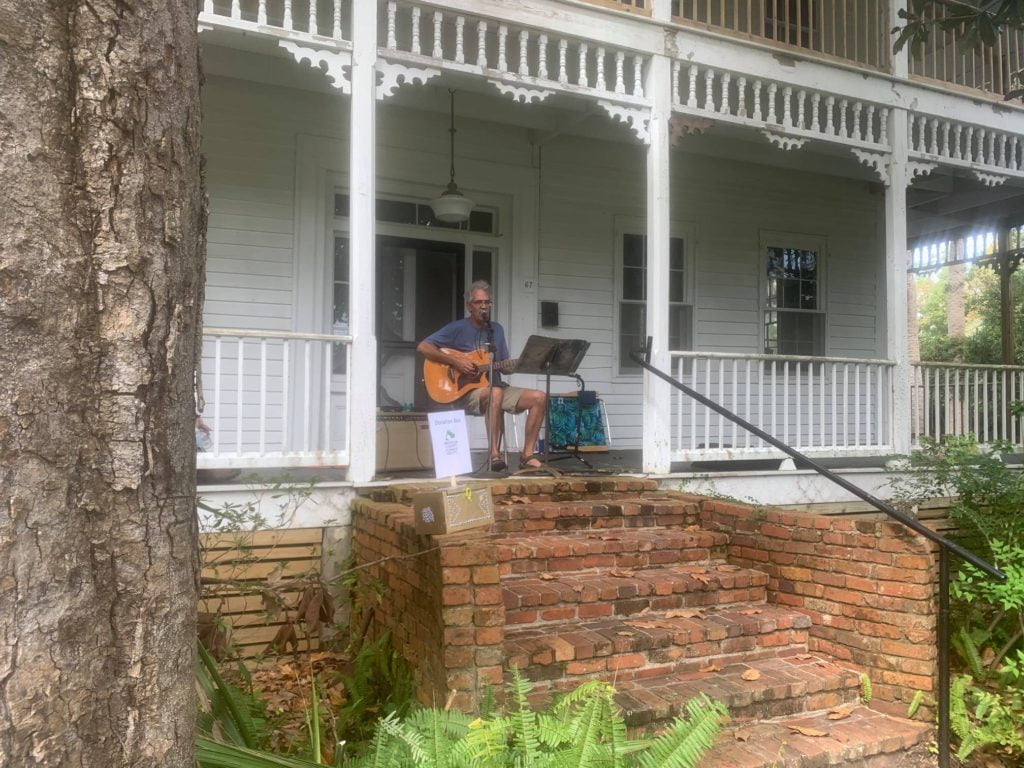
(960, 399)
(833, 406)
(276, 399)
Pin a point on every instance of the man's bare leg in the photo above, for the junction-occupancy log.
(495, 422)
(534, 402)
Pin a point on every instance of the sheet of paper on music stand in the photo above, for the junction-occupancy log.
(450, 440)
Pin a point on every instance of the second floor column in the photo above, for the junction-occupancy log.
(362, 217)
(657, 409)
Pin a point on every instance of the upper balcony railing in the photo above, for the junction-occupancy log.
(854, 31)
(989, 69)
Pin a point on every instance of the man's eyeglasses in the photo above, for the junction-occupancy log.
(482, 302)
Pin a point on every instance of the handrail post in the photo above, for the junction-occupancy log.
(943, 640)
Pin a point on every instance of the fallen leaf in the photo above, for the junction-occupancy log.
(805, 656)
(710, 668)
(751, 674)
(621, 573)
(807, 731)
(547, 576)
(684, 613)
(838, 714)
(742, 734)
(625, 633)
(706, 578)
(750, 611)
(645, 611)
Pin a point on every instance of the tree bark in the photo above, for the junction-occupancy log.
(101, 275)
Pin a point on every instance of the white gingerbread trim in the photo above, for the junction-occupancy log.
(522, 93)
(877, 161)
(335, 61)
(916, 168)
(784, 143)
(989, 179)
(394, 75)
(680, 126)
(636, 119)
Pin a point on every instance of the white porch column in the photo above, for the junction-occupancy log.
(362, 379)
(897, 341)
(657, 393)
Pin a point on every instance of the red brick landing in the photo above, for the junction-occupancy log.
(777, 614)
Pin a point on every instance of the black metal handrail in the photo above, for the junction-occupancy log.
(945, 545)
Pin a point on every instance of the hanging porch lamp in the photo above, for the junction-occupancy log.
(452, 207)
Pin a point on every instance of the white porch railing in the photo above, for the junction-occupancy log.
(307, 18)
(833, 406)
(959, 399)
(276, 399)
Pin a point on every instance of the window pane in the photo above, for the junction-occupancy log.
(676, 286)
(633, 250)
(396, 211)
(483, 268)
(679, 328)
(340, 313)
(634, 284)
(341, 259)
(482, 221)
(341, 205)
(676, 253)
(425, 218)
(632, 324)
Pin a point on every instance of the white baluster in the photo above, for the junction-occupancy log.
(843, 103)
(437, 52)
(772, 89)
(741, 106)
(601, 85)
(336, 28)
(563, 75)
(1001, 152)
(502, 38)
(815, 114)
(261, 13)
(542, 57)
(460, 42)
(933, 136)
(956, 150)
(829, 121)
(236, 9)
(207, 6)
(481, 44)
(416, 30)
(287, 21)
(524, 49)
(709, 93)
(944, 139)
(883, 123)
(858, 126)
(787, 106)
(724, 106)
(801, 101)
(757, 100)
(691, 95)
(638, 77)
(989, 148)
(313, 26)
(969, 144)
(870, 135)
(1014, 165)
(582, 78)
(676, 69)
(620, 82)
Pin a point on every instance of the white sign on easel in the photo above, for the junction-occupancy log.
(449, 438)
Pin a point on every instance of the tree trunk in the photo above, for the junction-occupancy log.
(101, 275)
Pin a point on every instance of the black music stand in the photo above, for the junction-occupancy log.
(547, 356)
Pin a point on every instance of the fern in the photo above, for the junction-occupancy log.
(969, 650)
(865, 689)
(688, 740)
(915, 704)
(523, 721)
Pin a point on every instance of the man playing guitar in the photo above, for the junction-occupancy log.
(469, 335)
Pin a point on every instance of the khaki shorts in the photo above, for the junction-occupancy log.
(472, 401)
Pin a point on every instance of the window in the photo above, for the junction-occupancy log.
(794, 318)
(632, 331)
(482, 220)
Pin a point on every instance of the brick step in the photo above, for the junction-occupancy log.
(583, 595)
(784, 685)
(643, 511)
(625, 548)
(864, 739)
(543, 489)
(560, 656)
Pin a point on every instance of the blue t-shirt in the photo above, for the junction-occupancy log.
(464, 336)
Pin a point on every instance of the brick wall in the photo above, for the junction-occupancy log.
(443, 607)
(868, 587)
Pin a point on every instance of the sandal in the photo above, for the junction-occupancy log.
(530, 461)
(498, 464)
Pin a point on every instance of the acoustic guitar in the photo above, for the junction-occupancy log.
(445, 384)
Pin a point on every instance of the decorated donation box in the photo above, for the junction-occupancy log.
(448, 510)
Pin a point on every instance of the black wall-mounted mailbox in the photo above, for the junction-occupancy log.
(549, 313)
